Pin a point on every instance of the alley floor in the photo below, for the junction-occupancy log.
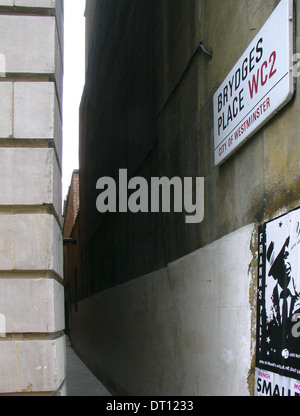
(80, 380)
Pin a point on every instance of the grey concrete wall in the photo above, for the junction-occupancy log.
(32, 345)
(176, 331)
(171, 305)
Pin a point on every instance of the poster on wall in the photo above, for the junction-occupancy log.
(278, 307)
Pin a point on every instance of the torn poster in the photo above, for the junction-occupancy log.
(278, 307)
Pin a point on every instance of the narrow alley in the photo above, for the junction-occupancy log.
(80, 380)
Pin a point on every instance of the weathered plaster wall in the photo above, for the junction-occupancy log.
(182, 330)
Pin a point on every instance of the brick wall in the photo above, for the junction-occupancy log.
(72, 272)
(71, 205)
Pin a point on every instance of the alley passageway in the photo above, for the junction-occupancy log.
(80, 380)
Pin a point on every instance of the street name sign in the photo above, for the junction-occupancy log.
(258, 86)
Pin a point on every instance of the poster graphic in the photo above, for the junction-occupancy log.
(278, 307)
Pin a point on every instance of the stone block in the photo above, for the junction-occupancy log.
(59, 48)
(30, 242)
(34, 110)
(28, 43)
(32, 305)
(6, 2)
(30, 177)
(33, 45)
(28, 366)
(35, 3)
(59, 12)
(5, 109)
(8, 367)
(6, 242)
(59, 66)
(38, 243)
(36, 113)
(49, 4)
(58, 138)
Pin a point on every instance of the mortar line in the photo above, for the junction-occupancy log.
(31, 275)
(31, 336)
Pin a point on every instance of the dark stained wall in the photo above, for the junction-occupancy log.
(137, 54)
(147, 107)
(118, 128)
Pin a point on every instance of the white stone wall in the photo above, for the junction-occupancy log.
(32, 344)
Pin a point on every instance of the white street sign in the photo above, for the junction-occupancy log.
(258, 86)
